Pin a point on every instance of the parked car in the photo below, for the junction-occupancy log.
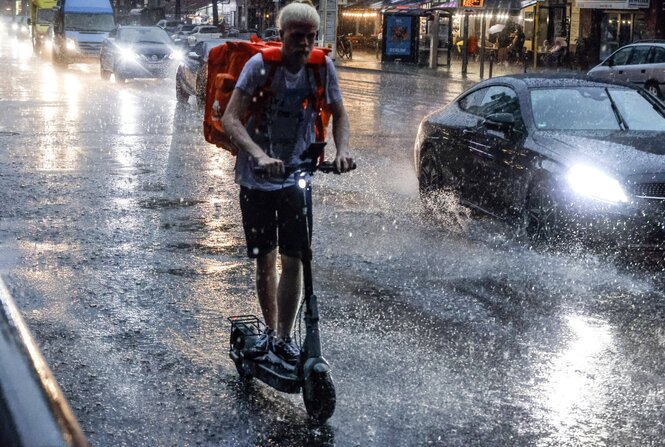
(192, 74)
(183, 30)
(138, 52)
(170, 26)
(642, 63)
(556, 156)
(242, 34)
(203, 32)
(270, 34)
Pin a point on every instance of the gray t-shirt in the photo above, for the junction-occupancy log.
(286, 127)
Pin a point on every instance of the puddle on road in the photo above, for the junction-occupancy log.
(161, 203)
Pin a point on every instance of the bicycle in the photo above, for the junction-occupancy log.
(344, 48)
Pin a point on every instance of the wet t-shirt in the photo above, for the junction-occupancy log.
(285, 128)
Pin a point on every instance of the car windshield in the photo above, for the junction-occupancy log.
(594, 108)
(89, 22)
(144, 35)
(208, 30)
(45, 16)
(187, 27)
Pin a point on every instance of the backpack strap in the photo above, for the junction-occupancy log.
(318, 98)
(272, 57)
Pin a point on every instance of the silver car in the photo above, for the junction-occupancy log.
(642, 63)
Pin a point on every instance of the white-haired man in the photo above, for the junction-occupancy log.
(271, 210)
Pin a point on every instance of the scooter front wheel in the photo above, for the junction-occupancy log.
(318, 393)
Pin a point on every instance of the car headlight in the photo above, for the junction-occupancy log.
(127, 54)
(176, 55)
(71, 44)
(591, 182)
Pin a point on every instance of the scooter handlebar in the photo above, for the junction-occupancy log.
(325, 167)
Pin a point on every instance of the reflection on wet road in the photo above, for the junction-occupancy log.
(130, 256)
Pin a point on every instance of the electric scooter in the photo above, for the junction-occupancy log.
(311, 373)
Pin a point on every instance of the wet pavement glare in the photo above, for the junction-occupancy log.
(121, 241)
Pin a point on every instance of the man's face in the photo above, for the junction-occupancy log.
(298, 41)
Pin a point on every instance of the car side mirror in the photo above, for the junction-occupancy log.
(500, 121)
(610, 63)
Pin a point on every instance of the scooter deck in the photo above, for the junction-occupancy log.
(268, 367)
(272, 370)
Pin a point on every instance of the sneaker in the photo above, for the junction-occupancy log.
(286, 349)
(262, 343)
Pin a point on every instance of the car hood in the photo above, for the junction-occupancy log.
(151, 48)
(625, 153)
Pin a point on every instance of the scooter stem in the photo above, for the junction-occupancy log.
(312, 339)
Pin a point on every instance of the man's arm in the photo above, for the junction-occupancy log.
(341, 130)
(238, 106)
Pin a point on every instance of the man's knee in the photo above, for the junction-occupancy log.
(267, 261)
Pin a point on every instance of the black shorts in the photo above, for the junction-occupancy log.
(272, 217)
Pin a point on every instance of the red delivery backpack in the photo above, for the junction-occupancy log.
(226, 61)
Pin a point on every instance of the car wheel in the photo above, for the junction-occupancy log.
(201, 90)
(105, 74)
(119, 76)
(541, 218)
(433, 175)
(180, 94)
(652, 87)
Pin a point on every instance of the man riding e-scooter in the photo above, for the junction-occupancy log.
(283, 132)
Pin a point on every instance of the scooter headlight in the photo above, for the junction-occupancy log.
(590, 182)
(71, 44)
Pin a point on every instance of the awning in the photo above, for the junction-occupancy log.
(612, 4)
(489, 5)
(504, 5)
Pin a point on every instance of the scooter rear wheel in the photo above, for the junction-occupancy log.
(318, 393)
(238, 343)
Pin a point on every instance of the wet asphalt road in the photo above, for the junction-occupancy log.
(121, 241)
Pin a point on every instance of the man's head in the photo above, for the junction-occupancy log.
(298, 24)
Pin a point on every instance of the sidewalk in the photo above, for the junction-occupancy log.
(364, 61)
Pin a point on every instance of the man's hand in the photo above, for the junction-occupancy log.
(343, 162)
(272, 166)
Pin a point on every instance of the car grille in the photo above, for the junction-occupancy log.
(154, 57)
(650, 190)
(90, 47)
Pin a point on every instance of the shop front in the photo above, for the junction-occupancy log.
(417, 31)
(609, 25)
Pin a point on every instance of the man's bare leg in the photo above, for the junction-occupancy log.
(266, 286)
(288, 294)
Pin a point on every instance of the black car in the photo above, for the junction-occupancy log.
(138, 52)
(192, 74)
(555, 155)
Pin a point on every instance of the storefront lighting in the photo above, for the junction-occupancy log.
(359, 14)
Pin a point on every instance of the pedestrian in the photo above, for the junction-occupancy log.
(271, 209)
